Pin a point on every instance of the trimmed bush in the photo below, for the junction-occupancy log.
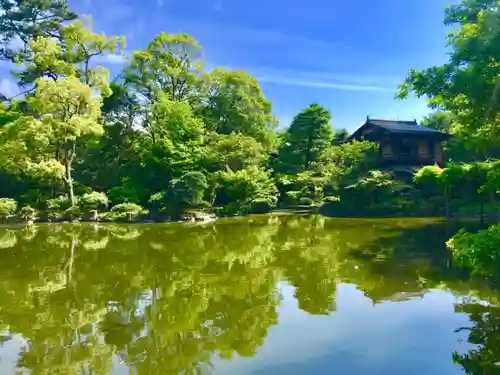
(28, 213)
(57, 206)
(260, 206)
(304, 201)
(8, 207)
(72, 213)
(93, 201)
(123, 208)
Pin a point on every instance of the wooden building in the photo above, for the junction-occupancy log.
(403, 143)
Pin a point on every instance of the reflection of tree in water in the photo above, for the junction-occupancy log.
(166, 298)
(485, 333)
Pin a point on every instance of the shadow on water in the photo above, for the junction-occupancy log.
(168, 298)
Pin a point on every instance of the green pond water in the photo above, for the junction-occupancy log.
(251, 295)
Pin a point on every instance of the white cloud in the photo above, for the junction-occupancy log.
(326, 85)
(9, 88)
(327, 80)
(110, 58)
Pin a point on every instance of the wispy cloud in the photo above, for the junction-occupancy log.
(322, 79)
(110, 58)
(325, 85)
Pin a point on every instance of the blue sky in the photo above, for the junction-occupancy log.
(348, 55)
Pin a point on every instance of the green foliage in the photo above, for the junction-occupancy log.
(28, 213)
(466, 86)
(93, 201)
(441, 121)
(305, 201)
(235, 104)
(306, 140)
(261, 206)
(126, 208)
(478, 251)
(123, 194)
(428, 179)
(8, 207)
(72, 213)
(24, 21)
(235, 151)
(242, 187)
(190, 188)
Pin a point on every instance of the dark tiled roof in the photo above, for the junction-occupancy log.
(401, 126)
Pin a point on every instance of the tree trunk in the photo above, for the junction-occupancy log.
(446, 203)
(69, 184)
(68, 178)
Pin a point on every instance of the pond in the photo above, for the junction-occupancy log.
(251, 295)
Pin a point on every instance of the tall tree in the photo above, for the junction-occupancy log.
(468, 84)
(64, 111)
(171, 64)
(236, 104)
(22, 21)
(306, 140)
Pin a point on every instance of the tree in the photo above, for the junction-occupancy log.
(69, 55)
(66, 110)
(235, 151)
(235, 104)
(340, 135)
(242, 187)
(441, 121)
(24, 21)
(466, 86)
(170, 65)
(306, 140)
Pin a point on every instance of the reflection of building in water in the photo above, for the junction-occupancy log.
(406, 296)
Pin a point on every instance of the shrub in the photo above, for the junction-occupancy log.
(478, 251)
(126, 211)
(260, 206)
(245, 186)
(56, 206)
(157, 202)
(8, 207)
(304, 201)
(28, 213)
(331, 199)
(189, 189)
(72, 213)
(93, 201)
(123, 194)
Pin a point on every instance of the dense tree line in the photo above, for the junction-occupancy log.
(164, 136)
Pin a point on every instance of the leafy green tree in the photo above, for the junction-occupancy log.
(340, 135)
(478, 251)
(66, 110)
(467, 85)
(306, 140)
(23, 21)
(235, 104)
(170, 65)
(234, 151)
(240, 188)
(441, 121)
